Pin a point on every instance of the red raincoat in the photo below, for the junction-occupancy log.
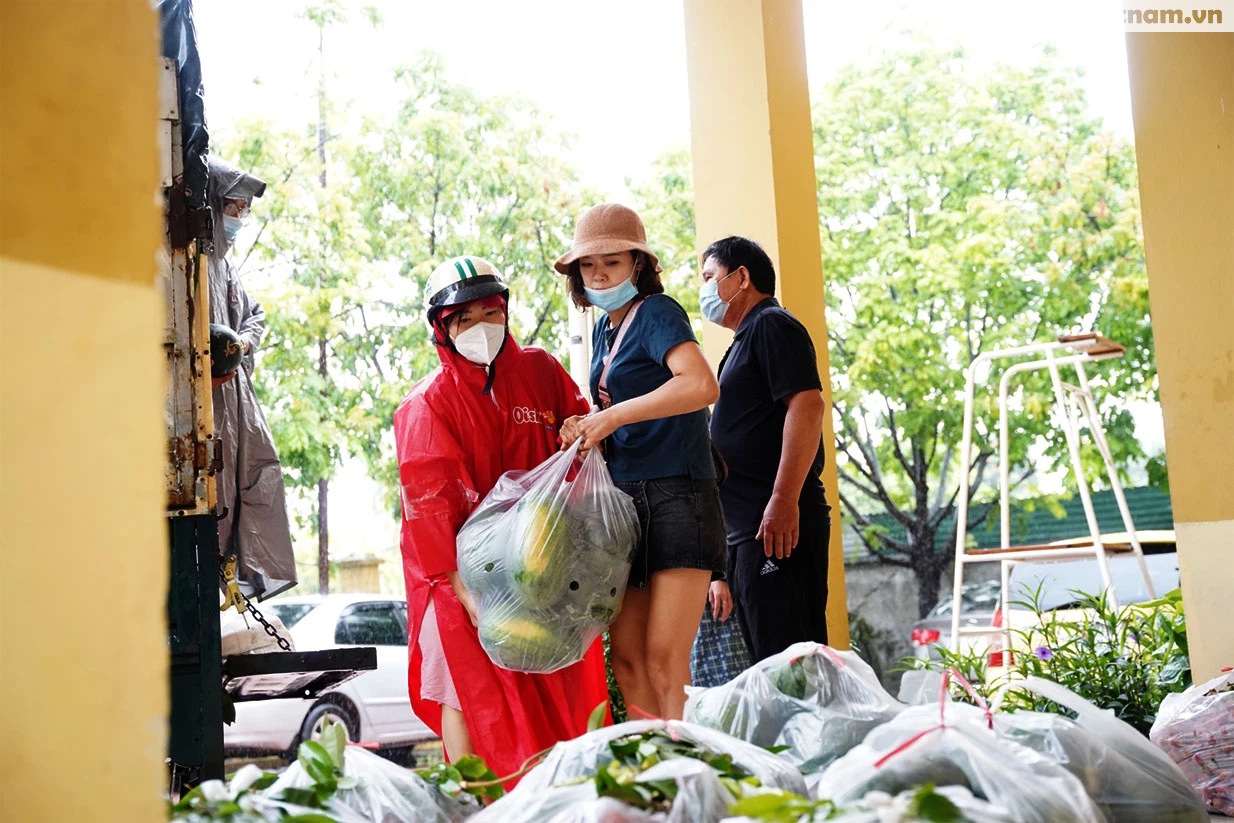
(453, 443)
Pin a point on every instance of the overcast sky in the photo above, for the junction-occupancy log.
(584, 61)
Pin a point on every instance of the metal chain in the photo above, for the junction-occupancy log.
(227, 573)
(270, 630)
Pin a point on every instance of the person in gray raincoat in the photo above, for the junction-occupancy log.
(251, 500)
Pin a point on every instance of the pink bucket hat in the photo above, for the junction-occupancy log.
(606, 229)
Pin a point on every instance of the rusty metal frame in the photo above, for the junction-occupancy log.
(188, 412)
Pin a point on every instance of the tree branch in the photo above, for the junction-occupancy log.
(540, 321)
(866, 447)
(895, 440)
(501, 229)
(875, 550)
(368, 336)
(852, 481)
(942, 479)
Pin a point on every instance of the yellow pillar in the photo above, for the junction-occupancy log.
(753, 149)
(1182, 94)
(83, 651)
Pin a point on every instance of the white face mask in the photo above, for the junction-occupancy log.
(231, 227)
(481, 342)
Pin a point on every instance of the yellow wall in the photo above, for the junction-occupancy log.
(83, 652)
(753, 150)
(1183, 103)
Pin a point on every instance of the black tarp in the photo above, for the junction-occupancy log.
(180, 44)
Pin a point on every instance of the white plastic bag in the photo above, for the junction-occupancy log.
(384, 792)
(562, 785)
(880, 807)
(817, 701)
(546, 556)
(606, 810)
(952, 745)
(1130, 779)
(1196, 729)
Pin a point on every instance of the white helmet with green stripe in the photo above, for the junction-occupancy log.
(461, 280)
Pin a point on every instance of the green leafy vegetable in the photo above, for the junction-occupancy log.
(929, 805)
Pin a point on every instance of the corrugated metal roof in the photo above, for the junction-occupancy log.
(1035, 520)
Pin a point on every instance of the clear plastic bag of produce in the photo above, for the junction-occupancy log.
(953, 745)
(546, 556)
(1196, 729)
(383, 792)
(1130, 779)
(921, 805)
(817, 701)
(605, 810)
(564, 786)
(241, 800)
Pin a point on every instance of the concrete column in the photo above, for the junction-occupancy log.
(83, 538)
(753, 149)
(1182, 94)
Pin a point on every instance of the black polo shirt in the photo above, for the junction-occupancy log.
(771, 358)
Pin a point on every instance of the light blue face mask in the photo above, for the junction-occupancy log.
(709, 302)
(613, 298)
(231, 227)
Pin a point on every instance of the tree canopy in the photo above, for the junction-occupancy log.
(962, 213)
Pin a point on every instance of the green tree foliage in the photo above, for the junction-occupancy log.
(665, 201)
(961, 214)
(453, 172)
(342, 267)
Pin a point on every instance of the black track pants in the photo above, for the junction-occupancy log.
(782, 601)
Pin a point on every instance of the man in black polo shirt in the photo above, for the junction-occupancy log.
(767, 425)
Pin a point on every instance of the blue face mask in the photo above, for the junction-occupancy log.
(613, 298)
(709, 302)
(231, 227)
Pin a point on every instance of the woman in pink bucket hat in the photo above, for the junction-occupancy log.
(651, 386)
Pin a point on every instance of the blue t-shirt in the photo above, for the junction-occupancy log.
(668, 447)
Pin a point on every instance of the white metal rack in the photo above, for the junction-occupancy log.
(1072, 351)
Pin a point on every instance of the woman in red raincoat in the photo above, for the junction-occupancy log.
(490, 408)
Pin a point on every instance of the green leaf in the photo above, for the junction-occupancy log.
(333, 740)
(472, 767)
(317, 764)
(929, 805)
(625, 748)
(188, 799)
(310, 817)
(784, 748)
(596, 720)
(264, 782)
(780, 807)
(299, 797)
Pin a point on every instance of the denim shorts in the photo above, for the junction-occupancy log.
(681, 526)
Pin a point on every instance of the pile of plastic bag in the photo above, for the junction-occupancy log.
(565, 787)
(546, 556)
(1130, 779)
(817, 701)
(905, 807)
(381, 792)
(1196, 729)
(955, 745)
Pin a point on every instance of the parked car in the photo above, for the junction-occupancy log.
(373, 707)
(1058, 583)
